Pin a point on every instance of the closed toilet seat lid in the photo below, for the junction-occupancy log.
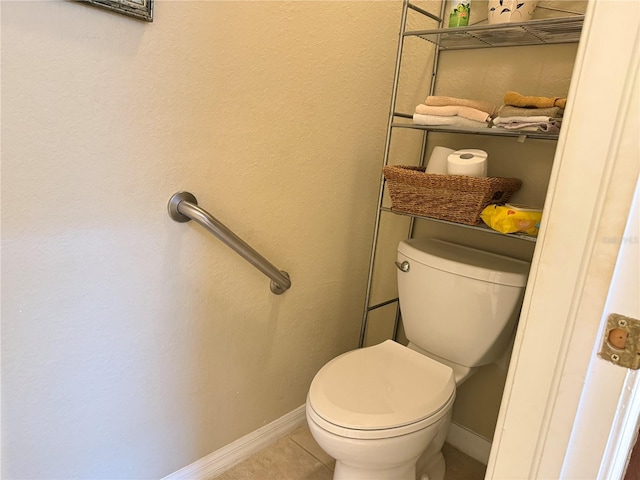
(381, 387)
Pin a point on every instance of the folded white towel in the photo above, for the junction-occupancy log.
(519, 128)
(453, 110)
(522, 119)
(529, 124)
(435, 120)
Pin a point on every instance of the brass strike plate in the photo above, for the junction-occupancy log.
(621, 342)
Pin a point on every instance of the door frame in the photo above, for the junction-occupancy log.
(587, 206)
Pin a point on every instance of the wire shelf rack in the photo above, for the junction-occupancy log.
(534, 32)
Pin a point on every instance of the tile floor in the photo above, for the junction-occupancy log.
(298, 457)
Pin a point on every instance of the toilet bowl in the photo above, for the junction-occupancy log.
(375, 410)
(383, 412)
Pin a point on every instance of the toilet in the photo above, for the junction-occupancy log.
(383, 411)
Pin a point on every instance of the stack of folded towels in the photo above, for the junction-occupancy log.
(455, 112)
(530, 114)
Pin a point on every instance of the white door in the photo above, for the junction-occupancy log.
(590, 449)
(560, 402)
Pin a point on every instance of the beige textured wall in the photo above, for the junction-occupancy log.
(133, 345)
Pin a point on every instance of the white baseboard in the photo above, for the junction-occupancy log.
(216, 463)
(223, 459)
(469, 442)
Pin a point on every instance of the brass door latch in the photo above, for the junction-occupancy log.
(621, 342)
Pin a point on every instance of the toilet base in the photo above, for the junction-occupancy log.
(431, 465)
(405, 457)
(400, 472)
(435, 469)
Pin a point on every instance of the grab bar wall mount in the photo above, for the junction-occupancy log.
(183, 207)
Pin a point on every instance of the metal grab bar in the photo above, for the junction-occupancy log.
(183, 207)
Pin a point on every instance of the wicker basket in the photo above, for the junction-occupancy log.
(456, 198)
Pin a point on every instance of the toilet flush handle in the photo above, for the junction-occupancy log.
(404, 266)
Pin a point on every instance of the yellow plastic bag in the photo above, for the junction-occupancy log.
(511, 218)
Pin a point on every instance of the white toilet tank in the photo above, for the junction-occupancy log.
(459, 303)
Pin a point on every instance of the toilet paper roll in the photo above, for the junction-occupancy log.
(438, 160)
(470, 162)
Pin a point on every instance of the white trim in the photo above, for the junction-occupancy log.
(223, 459)
(469, 442)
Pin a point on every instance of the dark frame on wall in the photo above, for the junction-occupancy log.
(140, 9)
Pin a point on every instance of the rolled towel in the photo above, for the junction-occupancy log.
(435, 120)
(453, 110)
(510, 111)
(517, 100)
(441, 101)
